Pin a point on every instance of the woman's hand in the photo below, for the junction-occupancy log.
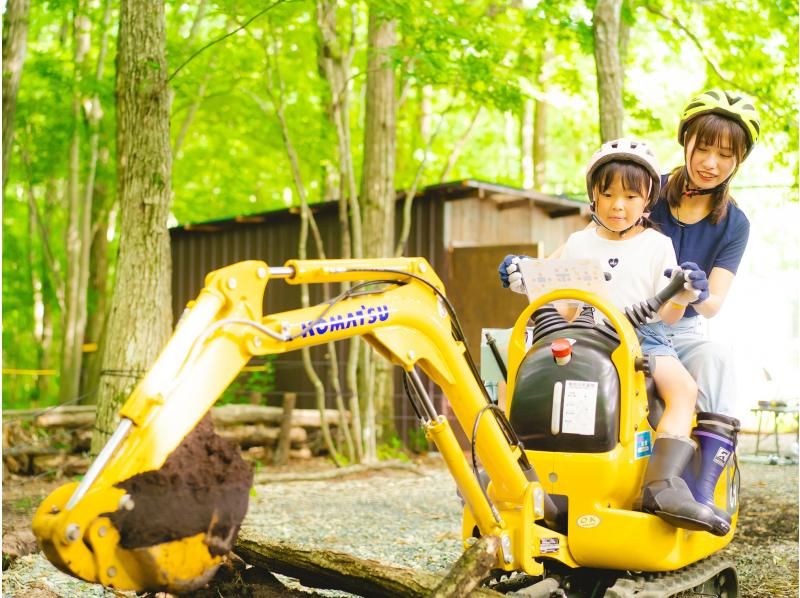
(697, 280)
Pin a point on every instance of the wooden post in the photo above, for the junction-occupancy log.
(282, 449)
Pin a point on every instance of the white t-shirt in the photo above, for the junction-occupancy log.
(636, 264)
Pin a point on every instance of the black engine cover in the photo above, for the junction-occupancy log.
(532, 404)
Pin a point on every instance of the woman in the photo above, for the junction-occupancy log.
(717, 130)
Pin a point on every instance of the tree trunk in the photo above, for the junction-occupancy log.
(98, 284)
(307, 222)
(411, 192)
(540, 119)
(140, 316)
(539, 144)
(331, 569)
(526, 143)
(380, 134)
(458, 146)
(378, 203)
(511, 148)
(72, 342)
(607, 17)
(425, 112)
(15, 39)
(45, 353)
(37, 296)
(335, 56)
(51, 287)
(94, 115)
(470, 570)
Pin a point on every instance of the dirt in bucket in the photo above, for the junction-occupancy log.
(203, 486)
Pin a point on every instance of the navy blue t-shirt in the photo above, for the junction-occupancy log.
(708, 245)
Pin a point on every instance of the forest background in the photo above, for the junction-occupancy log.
(270, 104)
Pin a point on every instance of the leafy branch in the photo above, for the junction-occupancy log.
(710, 61)
(227, 35)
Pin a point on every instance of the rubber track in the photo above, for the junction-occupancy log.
(670, 583)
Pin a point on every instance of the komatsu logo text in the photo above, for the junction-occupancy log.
(365, 315)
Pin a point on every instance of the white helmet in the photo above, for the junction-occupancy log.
(626, 150)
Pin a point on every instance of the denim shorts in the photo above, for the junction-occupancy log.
(654, 340)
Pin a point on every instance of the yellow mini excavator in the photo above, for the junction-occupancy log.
(562, 503)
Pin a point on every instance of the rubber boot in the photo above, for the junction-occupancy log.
(716, 436)
(664, 491)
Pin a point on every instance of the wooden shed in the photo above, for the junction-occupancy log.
(463, 228)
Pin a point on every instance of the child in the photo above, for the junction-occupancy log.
(623, 180)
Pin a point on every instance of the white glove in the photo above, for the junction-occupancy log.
(683, 298)
(515, 282)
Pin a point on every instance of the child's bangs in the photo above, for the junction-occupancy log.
(712, 130)
(632, 176)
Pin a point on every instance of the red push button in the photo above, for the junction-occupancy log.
(562, 350)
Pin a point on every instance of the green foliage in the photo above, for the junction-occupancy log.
(392, 449)
(417, 441)
(258, 378)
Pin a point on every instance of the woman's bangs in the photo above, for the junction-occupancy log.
(712, 130)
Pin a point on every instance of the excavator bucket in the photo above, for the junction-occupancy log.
(169, 527)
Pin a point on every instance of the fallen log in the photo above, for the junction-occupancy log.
(328, 474)
(334, 570)
(79, 415)
(65, 409)
(470, 570)
(67, 465)
(260, 435)
(227, 415)
(58, 418)
(32, 451)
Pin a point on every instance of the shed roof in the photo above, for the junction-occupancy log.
(504, 196)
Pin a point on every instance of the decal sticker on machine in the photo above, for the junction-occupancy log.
(365, 315)
(580, 402)
(548, 545)
(644, 444)
(588, 521)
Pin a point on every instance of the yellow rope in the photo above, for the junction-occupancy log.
(29, 372)
(18, 372)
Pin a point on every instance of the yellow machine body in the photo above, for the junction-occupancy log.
(408, 322)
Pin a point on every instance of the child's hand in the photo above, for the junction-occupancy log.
(510, 275)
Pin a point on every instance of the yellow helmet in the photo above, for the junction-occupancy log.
(726, 104)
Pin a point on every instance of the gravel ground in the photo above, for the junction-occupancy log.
(400, 517)
(412, 518)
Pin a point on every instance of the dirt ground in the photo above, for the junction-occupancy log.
(765, 547)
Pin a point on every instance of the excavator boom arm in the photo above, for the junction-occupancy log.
(400, 309)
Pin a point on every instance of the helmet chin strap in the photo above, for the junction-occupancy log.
(690, 191)
(621, 233)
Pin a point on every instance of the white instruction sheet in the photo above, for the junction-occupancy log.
(580, 403)
(545, 276)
